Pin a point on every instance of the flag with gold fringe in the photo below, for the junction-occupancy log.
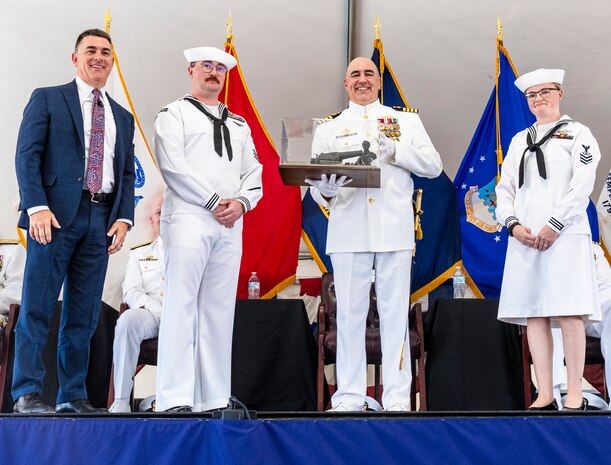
(484, 240)
(272, 229)
(315, 220)
(147, 186)
(438, 253)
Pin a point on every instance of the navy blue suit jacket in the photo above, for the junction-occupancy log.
(50, 157)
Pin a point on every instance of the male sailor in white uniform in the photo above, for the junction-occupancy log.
(207, 158)
(372, 228)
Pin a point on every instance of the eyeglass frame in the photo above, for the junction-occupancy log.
(208, 66)
(532, 96)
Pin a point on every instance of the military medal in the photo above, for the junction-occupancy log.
(389, 126)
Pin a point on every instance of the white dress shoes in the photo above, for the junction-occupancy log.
(342, 408)
(397, 408)
(120, 406)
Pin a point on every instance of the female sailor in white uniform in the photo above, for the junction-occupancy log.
(549, 277)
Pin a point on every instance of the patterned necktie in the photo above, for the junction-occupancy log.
(95, 168)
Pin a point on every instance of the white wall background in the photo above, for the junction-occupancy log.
(293, 55)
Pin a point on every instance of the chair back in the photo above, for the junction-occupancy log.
(329, 300)
(327, 341)
(373, 344)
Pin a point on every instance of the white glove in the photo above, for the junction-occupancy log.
(387, 149)
(328, 187)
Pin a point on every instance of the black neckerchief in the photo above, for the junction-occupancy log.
(219, 123)
(536, 147)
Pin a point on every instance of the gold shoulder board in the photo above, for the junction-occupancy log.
(140, 245)
(9, 241)
(330, 117)
(405, 109)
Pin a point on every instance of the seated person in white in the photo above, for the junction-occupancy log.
(143, 293)
(600, 329)
(12, 264)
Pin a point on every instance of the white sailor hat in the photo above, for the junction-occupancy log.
(147, 404)
(539, 76)
(372, 404)
(594, 402)
(210, 54)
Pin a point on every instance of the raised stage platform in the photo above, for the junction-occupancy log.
(308, 438)
(473, 364)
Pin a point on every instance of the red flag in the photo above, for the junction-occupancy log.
(272, 230)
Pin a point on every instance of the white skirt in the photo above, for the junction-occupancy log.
(560, 281)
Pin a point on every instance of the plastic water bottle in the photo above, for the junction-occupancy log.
(458, 281)
(254, 286)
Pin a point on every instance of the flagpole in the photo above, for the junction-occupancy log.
(418, 234)
(351, 21)
(107, 22)
(499, 148)
(228, 47)
(229, 34)
(383, 66)
(377, 43)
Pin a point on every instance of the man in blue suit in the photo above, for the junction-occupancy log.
(75, 169)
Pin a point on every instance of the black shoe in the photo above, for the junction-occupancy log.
(581, 408)
(31, 403)
(553, 405)
(78, 406)
(179, 409)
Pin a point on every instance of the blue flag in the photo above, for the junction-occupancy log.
(593, 220)
(484, 241)
(438, 252)
(314, 223)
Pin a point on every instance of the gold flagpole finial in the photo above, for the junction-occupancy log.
(377, 27)
(229, 28)
(107, 21)
(499, 147)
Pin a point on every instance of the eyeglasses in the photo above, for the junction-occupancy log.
(208, 67)
(544, 93)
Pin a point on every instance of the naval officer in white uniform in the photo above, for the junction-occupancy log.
(143, 294)
(12, 264)
(372, 228)
(549, 277)
(208, 161)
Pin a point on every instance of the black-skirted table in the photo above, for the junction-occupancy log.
(274, 356)
(474, 361)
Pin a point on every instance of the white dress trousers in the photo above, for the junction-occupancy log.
(352, 276)
(202, 262)
(143, 293)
